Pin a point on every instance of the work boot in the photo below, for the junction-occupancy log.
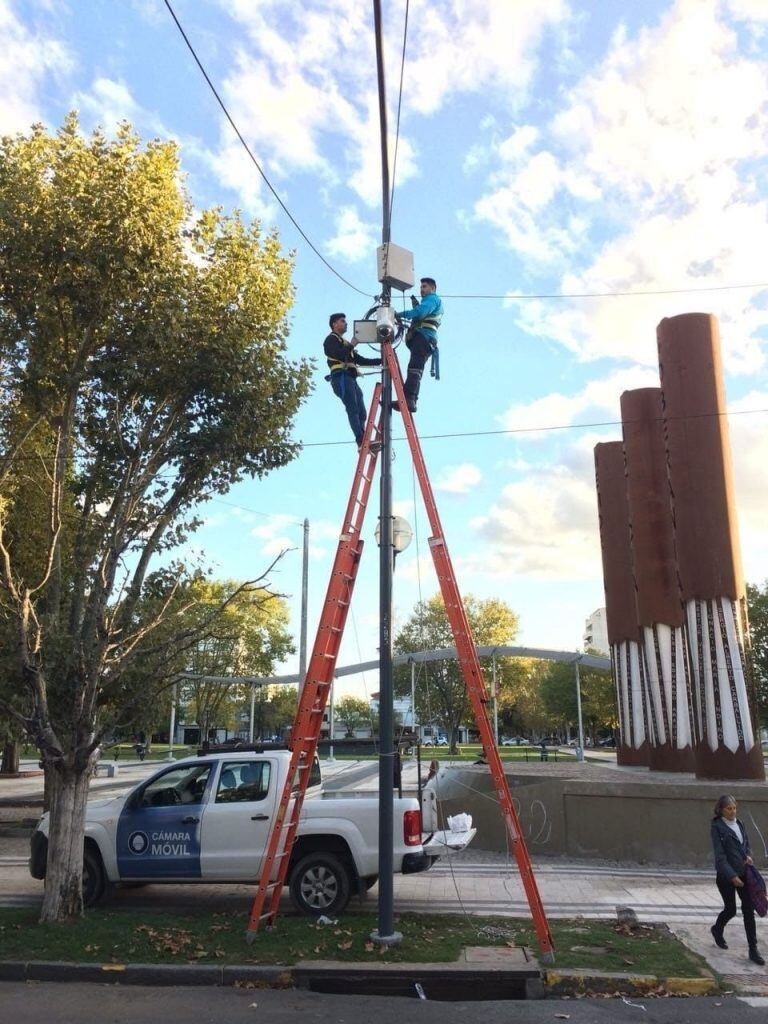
(718, 937)
(754, 956)
(411, 402)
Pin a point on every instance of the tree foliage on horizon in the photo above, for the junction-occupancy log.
(441, 695)
(144, 369)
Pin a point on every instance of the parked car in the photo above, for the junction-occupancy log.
(514, 741)
(209, 818)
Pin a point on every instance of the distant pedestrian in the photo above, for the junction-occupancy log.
(730, 846)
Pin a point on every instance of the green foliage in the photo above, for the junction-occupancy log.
(143, 345)
(353, 712)
(598, 698)
(757, 604)
(441, 695)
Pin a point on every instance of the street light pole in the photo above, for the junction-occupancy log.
(385, 935)
(304, 591)
(172, 725)
(580, 748)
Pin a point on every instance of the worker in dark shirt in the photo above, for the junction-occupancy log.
(343, 362)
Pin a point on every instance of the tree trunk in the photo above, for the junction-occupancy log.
(11, 756)
(64, 874)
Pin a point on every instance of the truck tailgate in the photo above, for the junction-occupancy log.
(443, 841)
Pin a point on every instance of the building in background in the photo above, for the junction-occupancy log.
(596, 633)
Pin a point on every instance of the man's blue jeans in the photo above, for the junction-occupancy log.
(348, 390)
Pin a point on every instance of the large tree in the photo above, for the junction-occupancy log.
(757, 601)
(146, 340)
(441, 696)
(598, 697)
(248, 638)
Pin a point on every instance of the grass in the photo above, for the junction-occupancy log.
(123, 936)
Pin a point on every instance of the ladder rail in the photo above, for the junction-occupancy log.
(316, 687)
(470, 665)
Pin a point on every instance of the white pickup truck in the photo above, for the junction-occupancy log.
(208, 818)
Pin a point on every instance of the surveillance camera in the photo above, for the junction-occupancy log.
(385, 323)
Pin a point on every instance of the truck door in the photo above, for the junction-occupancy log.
(158, 834)
(237, 819)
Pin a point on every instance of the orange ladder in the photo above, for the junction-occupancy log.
(470, 667)
(319, 678)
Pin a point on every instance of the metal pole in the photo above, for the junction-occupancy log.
(580, 748)
(495, 704)
(252, 719)
(304, 591)
(330, 722)
(413, 697)
(172, 726)
(385, 934)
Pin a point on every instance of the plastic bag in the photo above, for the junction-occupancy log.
(460, 822)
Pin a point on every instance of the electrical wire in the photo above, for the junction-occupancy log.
(252, 158)
(520, 296)
(397, 124)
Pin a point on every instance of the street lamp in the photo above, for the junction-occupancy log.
(402, 534)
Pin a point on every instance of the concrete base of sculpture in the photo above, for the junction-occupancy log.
(586, 810)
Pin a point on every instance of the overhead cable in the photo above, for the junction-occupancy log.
(253, 159)
(515, 296)
(399, 106)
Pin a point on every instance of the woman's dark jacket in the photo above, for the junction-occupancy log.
(730, 854)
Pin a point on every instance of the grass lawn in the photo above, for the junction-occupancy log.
(143, 937)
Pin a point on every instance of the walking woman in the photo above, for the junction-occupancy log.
(730, 846)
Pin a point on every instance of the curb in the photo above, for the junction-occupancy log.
(566, 983)
(147, 974)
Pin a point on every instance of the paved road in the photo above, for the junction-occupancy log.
(51, 1003)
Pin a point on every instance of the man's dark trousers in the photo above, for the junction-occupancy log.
(421, 349)
(346, 387)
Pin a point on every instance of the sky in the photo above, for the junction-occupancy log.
(546, 147)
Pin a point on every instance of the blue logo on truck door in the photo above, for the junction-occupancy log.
(158, 834)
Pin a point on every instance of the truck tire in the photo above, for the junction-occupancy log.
(94, 879)
(320, 884)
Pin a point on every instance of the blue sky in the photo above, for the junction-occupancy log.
(545, 147)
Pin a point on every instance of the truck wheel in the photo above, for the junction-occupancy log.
(94, 879)
(320, 884)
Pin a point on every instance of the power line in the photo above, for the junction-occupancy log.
(399, 106)
(543, 428)
(612, 295)
(253, 159)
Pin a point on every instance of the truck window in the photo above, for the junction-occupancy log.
(183, 785)
(315, 776)
(242, 781)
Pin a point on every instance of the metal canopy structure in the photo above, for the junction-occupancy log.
(442, 654)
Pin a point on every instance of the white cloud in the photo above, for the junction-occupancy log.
(354, 240)
(460, 479)
(670, 137)
(107, 103)
(597, 401)
(28, 57)
(543, 527)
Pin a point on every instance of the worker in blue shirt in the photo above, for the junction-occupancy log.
(421, 338)
(343, 364)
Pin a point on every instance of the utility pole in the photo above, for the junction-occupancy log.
(385, 935)
(304, 591)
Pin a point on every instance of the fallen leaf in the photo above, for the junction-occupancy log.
(344, 945)
(562, 1016)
